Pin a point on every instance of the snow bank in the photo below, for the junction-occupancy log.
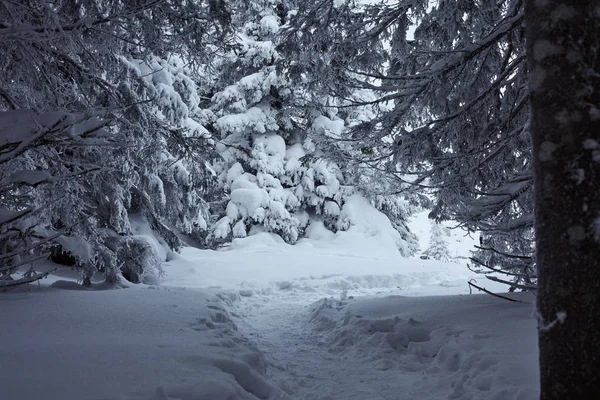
(364, 227)
(325, 264)
(140, 343)
(362, 259)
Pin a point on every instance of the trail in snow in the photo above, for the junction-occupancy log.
(393, 347)
(301, 363)
(301, 307)
(336, 336)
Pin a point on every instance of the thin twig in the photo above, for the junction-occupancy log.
(492, 294)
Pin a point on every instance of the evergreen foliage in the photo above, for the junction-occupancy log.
(98, 115)
(183, 115)
(283, 160)
(451, 105)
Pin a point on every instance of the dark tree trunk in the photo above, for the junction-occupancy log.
(563, 47)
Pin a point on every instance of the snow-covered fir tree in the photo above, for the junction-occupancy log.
(99, 125)
(438, 242)
(279, 168)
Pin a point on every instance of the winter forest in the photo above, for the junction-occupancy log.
(299, 199)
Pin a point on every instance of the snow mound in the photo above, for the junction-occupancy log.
(141, 228)
(363, 231)
(364, 228)
(325, 264)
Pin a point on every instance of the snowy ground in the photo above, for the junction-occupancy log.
(330, 318)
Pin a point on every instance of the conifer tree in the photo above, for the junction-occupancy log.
(451, 107)
(438, 244)
(284, 162)
(100, 115)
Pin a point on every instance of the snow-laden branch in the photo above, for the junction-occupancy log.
(6, 283)
(15, 31)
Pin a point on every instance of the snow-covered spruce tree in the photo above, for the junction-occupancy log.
(453, 78)
(438, 243)
(39, 183)
(279, 167)
(267, 168)
(99, 140)
(169, 177)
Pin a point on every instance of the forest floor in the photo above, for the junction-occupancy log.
(265, 320)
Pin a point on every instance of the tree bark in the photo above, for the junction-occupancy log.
(563, 48)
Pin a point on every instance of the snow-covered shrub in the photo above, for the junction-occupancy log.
(139, 260)
(359, 217)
